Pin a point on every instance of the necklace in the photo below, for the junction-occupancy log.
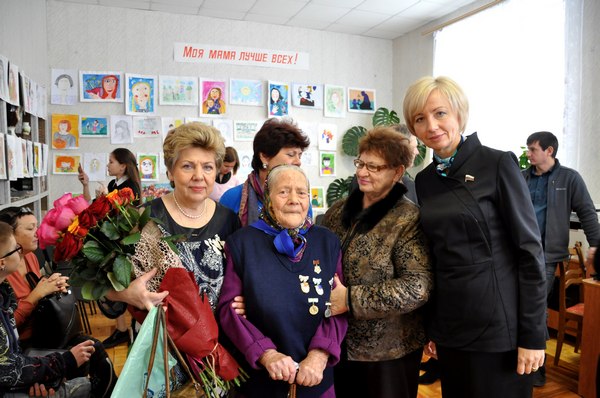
(189, 215)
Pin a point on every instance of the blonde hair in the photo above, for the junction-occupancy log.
(418, 92)
(193, 135)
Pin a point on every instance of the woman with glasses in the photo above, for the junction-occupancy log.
(24, 226)
(387, 273)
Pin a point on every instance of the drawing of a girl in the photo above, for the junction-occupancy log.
(108, 89)
(140, 95)
(213, 104)
(278, 105)
(63, 139)
(147, 168)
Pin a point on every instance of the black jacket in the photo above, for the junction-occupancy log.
(490, 292)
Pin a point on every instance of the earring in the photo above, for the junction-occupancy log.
(264, 166)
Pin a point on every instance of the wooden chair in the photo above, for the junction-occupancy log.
(568, 311)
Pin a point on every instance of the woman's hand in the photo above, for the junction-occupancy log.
(239, 305)
(101, 190)
(280, 367)
(39, 390)
(529, 360)
(83, 177)
(310, 371)
(338, 297)
(137, 294)
(430, 350)
(83, 351)
(47, 286)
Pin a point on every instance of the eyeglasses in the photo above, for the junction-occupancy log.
(10, 253)
(359, 164)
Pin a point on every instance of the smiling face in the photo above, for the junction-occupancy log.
(26, 233)
(275, 95)
(215, 94)
(109, 84)
(437, 125)
(194, 174)
(376, 184)
(289, 198)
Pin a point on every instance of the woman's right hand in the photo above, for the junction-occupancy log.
(280, 367)
(101, 190)
(137, 294)
(47, 286)
(83, 177)
(83, 351)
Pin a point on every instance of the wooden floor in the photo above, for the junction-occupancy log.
(561, 381)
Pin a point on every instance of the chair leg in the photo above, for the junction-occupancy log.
(87, 328)
(559, 342)
(579, 334)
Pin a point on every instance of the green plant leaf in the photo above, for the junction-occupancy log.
(109, 230)
(131, 239)
(351, 138)
(122, 270)
(114, 282)
(385, 117)
(144, 217)
(99, 290)
(87, 289)
(338, 189)
(421, 156)
(93, 251)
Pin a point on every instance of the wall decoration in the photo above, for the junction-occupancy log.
(121, 129)
(4, 78)
(65, 131)
(33, 97)
(148, 166)
(100, 86)
(155, 190)
(307, 95)
(42, 102)
(245, 164)
(361, 100)
(3, 153)
(246, 92)
(317, 197)
(64, 87)
(169, 123)
(21, 158)
(213, 96)
(335, 101)
(93, 126)
(11, 157)
(310, 158)
(310, 130)
(94, 165)
(30, 160)
(178, 90)
(13, 84)
(327, 164)
(27, 99)
(279, 101)
(327, 136)
(65, 163)
(245, 130)
(141, 94)
(225, 127)
(37, 159)
(45, 159)
(147, 126)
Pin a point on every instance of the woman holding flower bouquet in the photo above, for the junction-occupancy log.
(284, 266)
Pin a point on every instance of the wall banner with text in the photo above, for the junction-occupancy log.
(208, 53)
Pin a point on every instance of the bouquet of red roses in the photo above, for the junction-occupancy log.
(98, 238)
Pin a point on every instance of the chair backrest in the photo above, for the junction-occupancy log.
(569, 277)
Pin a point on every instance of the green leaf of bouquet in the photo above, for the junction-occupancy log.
(131, 239)
(87, 289)
(99, 290)
(109, 230)
(133, 214)
(93, 251)
(122, 270)
(88, 273)
(144, 217)
(115, 283)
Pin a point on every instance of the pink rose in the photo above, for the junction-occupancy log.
(50, 217)
(62, 201)
(77, 204)
(47, 235)
(64, 218)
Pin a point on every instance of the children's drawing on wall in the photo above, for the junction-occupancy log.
(42, 102)
(361, 100)
(155, 190)
(279, 99)
(45, 159)
(246, 92)
(64, 87)
(169, 123)
(178, 90)
(205, 120)
(327, 160)
(335, 103)
(245, 164)
(317, 197)
(37, 159)
(327, 136)
(307, 95)
(310, 157)
(20, 157)
(3, 78)
(3, 152)
(11, 157)
(148, 166)
(141, 94)
(225, 127)
(30, 159)
(100, 86)
(245, 130)
(120, 129)
(213, 97)
(93, 126)
(147, 127)
(13, 84)
(26, 91)
(94, 164)
(65, 163)
(65, 131)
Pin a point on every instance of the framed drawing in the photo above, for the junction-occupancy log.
(13, 84)
(335, 101)
(94, 165)
(279, 100)
(121, 129)
(65, 131)
(246, 92)
(308, 95)
(245, 130)
(213, 95)
(225, 127)
(37, 159)
(327, 164)
(11, 157)
(100, 86)
(93, 126)
(361, 100)
(64, 87)
(148, 166)
(317, 197)
(147, 126)
(141, 94)
(3, 153)
(65, 163)
(4, 78)
(178, 90)
(327, 134)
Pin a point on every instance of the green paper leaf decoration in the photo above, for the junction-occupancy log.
(385, 117)
(351, 138)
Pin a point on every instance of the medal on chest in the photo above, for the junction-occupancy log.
(304, 283)
(313, 309)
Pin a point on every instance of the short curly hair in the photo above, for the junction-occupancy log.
(274, 135)
(389, 144)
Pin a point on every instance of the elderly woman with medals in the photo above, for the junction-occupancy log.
(284, 266)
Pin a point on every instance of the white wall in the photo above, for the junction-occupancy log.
(88, 37)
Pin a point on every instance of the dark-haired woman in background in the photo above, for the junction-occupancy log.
(226, 178)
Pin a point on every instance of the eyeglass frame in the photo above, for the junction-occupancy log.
(10, 253)
(359, 164)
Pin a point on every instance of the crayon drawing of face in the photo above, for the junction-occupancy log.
(147, 167)
(109, 85)
(140, 94)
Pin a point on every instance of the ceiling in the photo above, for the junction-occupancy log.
(385, 19)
